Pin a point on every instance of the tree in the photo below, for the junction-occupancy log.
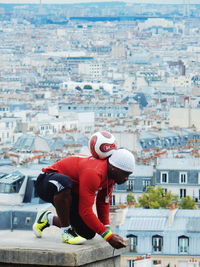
(156, 198)
(187, 203)
(130, 198)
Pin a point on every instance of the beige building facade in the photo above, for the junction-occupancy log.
(184, 118)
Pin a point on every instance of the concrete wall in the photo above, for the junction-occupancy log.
(23, 249)
(17, 220)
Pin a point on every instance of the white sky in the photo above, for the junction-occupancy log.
(92, 1)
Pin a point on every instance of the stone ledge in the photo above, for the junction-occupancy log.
(22, 248)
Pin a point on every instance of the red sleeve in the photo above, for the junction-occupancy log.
(103, 208)
(88, 185)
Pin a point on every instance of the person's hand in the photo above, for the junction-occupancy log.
(117, 241)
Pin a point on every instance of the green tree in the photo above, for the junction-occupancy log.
(187, 203)
(156, 198)
(130, 198)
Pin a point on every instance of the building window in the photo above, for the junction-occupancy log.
(130, 184)
(164, 177)
(182, 193)
(130, 263)
(157, 243)
(199, 178)
(113, 200)
(146, 184)
(183, 244)
(183, 177)
(132, 243)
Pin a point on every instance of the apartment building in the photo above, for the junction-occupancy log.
(137, 184)
(170, 237)
(181, 176)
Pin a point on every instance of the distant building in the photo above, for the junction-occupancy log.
(169, 237)
(184, 117)
(181, 176)
(166, 139)
(91, 71)
(137, 184)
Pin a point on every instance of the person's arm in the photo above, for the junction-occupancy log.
(89, 184)
(103, 210)
(103, 204)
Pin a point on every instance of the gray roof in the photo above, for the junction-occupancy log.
(31, 142)
(167, 133)
(11, 178)
(152, 224)
(143, 170)
(139, 212)
(59, 141)
(193, 225)
(147, 135)
(179, 164)
(188, 213)
(32, 170)
(138, 219)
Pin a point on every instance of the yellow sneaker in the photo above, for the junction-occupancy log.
(71, 237)
(41, 222)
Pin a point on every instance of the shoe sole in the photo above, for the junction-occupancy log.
(79, 243)
(36, 232)
(74, 243)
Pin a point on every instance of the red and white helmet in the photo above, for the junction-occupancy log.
(102, 144)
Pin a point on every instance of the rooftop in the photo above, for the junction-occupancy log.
(178, 164)
(22, 248)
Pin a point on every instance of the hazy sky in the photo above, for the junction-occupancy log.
(86, 1)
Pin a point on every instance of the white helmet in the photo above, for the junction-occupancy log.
(102, 144)
(123, 159)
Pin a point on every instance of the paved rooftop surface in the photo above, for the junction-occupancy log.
(24, 248)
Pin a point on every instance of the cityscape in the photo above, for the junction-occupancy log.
(132, 69)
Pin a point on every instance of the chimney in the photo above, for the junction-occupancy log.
(172, 211)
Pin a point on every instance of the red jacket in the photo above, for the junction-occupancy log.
(90, 181)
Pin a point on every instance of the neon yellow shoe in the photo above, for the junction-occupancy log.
(41, 222)
(71, 237)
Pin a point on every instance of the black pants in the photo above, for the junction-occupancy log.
(49, 184)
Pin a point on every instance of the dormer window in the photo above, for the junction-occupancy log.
(183, 177)
(164, 177)
(132, 243)
(183, 244)
(157, 243)
(130, 185)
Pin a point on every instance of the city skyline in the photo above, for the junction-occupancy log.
(98, 1)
